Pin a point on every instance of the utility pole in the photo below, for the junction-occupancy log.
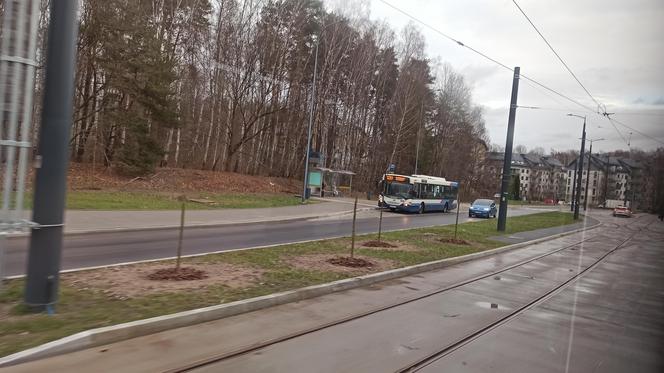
(41, 288)
(576, 169)
(580, 176)
(606, 182)
(590, 159)
(507, 162)
(311, 122)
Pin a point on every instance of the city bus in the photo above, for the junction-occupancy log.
(417, 193)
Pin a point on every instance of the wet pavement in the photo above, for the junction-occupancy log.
(609, 320)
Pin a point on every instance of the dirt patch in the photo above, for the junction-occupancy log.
(173, 274)
(354, 262)
(456, 241)
(320, 262)
(132, 280)
(388, 246)
(378, 244)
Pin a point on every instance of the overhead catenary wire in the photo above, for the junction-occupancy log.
(599, 105)
(612, 120)
(557, 55)
(525, 77)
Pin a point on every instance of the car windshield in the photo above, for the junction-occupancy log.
(482, 202)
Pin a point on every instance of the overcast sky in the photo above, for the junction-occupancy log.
(615, 47)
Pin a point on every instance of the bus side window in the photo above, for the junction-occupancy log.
(437, 191)
(412, 192)
(426, 191)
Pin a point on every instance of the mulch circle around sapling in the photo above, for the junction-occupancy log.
(172, 274)
(350, 262)
(456, 241)
(378, 244)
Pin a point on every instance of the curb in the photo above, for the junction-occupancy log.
(83, 232)
(115, 333)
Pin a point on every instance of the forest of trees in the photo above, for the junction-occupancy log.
(226, 85)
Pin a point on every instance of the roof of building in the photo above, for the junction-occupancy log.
(601, 161)
(528, 160)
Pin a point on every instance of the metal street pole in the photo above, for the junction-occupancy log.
(590, 156)
(606, 180)
(41, 288)
(311, 121)
(590, 164)
(507, 163)
(580, 176)
(576, 170)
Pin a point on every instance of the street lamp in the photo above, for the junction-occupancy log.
(311, 121)
(590, 156)
(311, 109)
(580, 169)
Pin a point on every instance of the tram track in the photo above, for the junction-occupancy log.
(432, 358)
(261, 345)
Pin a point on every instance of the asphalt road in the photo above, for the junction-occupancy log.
(97, 249)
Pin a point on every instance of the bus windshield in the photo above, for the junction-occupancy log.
(397, 189)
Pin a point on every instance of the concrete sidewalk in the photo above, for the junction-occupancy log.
(86, 221)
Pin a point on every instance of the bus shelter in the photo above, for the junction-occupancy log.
(328, 182)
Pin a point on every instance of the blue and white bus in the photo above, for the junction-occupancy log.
(417, 193)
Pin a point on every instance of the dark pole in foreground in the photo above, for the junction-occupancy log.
(580, 177)
(590, 155)
(41, 288)
(507, 163)
(576, 170)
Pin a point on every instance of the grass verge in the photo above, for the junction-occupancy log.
(87, 306)
(135, 200)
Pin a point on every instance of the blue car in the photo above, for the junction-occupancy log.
(482, 208)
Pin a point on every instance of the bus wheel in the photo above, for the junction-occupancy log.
(421, 210)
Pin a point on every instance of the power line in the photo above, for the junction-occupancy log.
(485, 56)
(640, 113)
(599, 105)
(557, 55)
(446, 35)
(635, 130)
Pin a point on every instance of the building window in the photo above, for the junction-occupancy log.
(594, 183)
(593, 191)
(521, 177)
(569, 173)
